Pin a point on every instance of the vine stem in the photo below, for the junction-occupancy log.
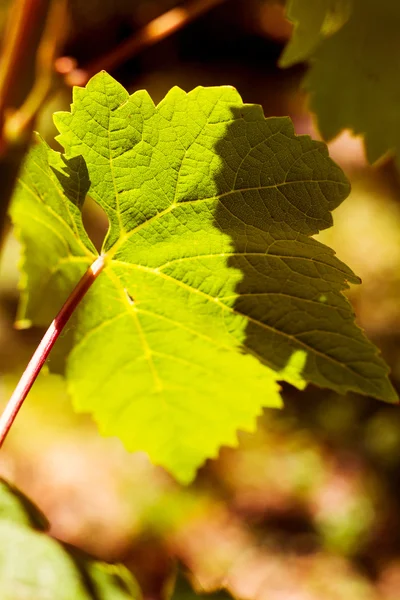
(43, 350)
(158, 29)
(34, 32)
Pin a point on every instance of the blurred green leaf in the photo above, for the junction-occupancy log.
(313, 21)
(16, 507)
(353, 79)
(34, 566)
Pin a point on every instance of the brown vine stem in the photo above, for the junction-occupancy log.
(34, 32)
(53, 35)
(42, 351)
(22, 21)
(158, 29)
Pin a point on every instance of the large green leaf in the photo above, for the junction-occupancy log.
(35, 566)
(354, 75)
(213, 288)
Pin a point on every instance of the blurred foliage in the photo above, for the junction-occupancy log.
(353, 48)
(33, 565)
(184, 591)
(308, 507)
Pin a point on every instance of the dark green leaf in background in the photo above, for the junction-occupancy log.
(313, 21)
(354, 67)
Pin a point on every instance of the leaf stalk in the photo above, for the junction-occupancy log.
(43, 350)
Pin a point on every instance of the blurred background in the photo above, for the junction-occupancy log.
(309, 506)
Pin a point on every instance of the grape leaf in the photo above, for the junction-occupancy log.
(33, 565)
(213, 288)
(354, 73)
(54, 265)
(313, 21)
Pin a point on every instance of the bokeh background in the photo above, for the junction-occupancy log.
(309, 506)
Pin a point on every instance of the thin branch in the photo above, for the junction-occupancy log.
(22, 119)
(23, 20)
(153, 32)
(22, 42)
(40, 355)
